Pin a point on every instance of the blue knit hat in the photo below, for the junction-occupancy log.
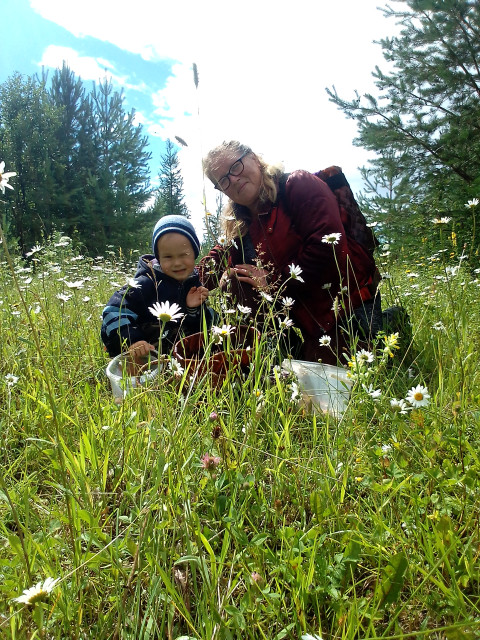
(175, 224)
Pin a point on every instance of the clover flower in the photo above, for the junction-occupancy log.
(166, 312)
(295, 272)
(5, 177)
(418, 396)
(38, 592)
(210, 462)
(331, 238)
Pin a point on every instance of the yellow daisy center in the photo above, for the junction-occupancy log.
(418, 396)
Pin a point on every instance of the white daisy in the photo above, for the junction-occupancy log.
(418, 396)
(285, 323)
(266, 296)
(325, 341)
(295, 272)
(471, 203)
(288, 302)
(63, 297)
(133, 284)
(11, 380)
(5, 177)
(38, 592)
(33, 250)
(444, 220)
(244, 310)
(399, 406)
(78, 284)
(363, 356)
(223, 331)
(332, 238)
(176, 368)
(166, 312)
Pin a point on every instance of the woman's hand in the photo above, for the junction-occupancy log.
(252, 275)
(196, 296)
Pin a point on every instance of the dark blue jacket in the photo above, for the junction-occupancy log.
(126, 318)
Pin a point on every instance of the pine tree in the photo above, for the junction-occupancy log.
(169, 197)
(426, 118)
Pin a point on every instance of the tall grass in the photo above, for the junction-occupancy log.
(365, 526)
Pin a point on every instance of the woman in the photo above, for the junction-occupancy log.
(274, 226)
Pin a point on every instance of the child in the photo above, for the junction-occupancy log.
(167, 276)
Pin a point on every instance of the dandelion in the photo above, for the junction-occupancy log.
(399, 406)
(166, 312)
(418, 396)
(285, 323)
(176, 368)
(244, 310)
(5, 177)
(295, 272)
(444, 220)
(11, 380)
(325, 341)
(288, 302)
(38, 592)
(223, 331)
(133, 284)
(210, 462)
(331, 238)
(471, 204)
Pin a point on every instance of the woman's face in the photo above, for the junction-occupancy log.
(244, 188)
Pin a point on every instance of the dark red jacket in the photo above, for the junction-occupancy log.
(283, 239)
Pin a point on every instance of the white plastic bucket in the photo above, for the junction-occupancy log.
(324, 388)
(123, 384)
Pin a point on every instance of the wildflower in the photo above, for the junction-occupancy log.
(78, 284)
(63, 297)
(327, 285)
(285, 323)
(267, 296)
(213, 416)
(245, 310)
(325, 341)
(176, 368)
(336, 307)
(256, 577)
(375, 394)
(470, 204)
(308, 636)
(452, 271)
(418, 396)
(222, 240)
(363, 356)
(399, 406)
(296, 395)
(11, 380)
(288, 302)
(412, 275)
(444, 220)
(391, 342)
(166, 312)
(86, 299)
(33, 250)
(295, 272)
(223, 331)
(331, 238)
(386, 448)
(133, 284)
(210, 462)
(5, 177)
(439, 326)
(38, 592)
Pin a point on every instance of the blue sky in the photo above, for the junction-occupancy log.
(263, 70)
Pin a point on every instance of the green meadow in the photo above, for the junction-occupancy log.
(207, 507)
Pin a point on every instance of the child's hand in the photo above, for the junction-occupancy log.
(137, 352)
(196, 296)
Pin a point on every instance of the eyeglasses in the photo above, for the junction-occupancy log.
(235, 170)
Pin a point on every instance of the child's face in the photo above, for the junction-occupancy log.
(176, 255)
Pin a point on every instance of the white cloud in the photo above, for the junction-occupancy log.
(263, 69)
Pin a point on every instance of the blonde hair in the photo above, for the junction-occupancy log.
(235, 217)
